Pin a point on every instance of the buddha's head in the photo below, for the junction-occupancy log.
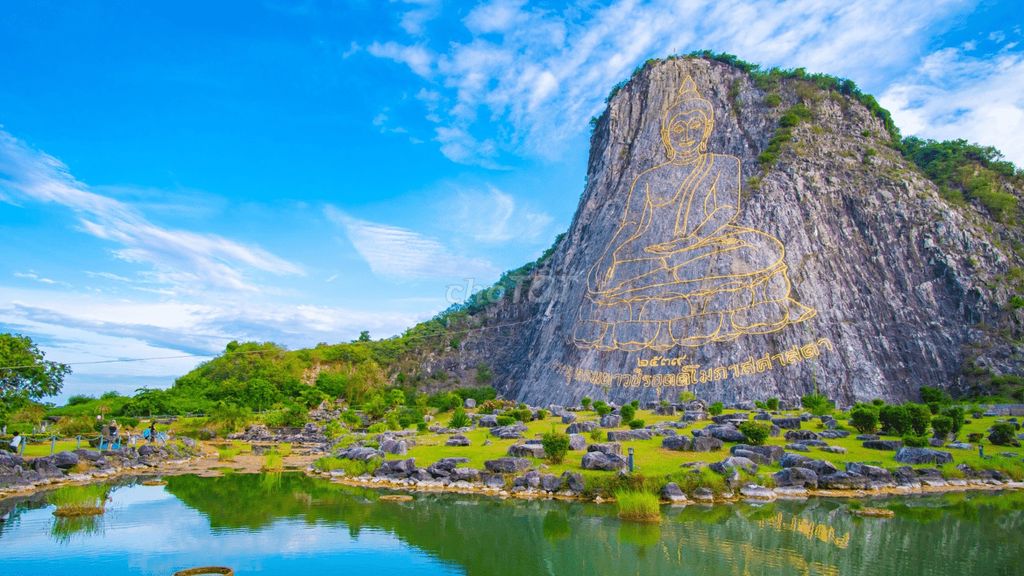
(687, 123)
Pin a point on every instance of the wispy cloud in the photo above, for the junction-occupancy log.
(179, 257)
(954, 94)
(415, 20)
(494, 216)
(31, 275)
(546, 72)
(400, 253)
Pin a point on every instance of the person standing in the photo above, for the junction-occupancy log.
(152, 431)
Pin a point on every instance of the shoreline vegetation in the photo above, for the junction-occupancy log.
(688, 452)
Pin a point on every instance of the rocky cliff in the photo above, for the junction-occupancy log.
(743, 237)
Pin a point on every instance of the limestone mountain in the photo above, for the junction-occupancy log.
(747, 234)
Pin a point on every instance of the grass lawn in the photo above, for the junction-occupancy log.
(43, 449)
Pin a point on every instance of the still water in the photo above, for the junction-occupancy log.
(294, 525)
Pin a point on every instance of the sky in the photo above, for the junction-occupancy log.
(177, 175)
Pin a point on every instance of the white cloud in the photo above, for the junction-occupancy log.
(496, 217)
(545, 73)
(186, 259)
(417, 58)
(31, 275)
(953, 94)
(415, 20)
(400, 253)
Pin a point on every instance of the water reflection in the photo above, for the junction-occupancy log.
(287, 523)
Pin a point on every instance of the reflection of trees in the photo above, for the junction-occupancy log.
(487, 536)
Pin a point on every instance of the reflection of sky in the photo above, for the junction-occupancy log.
(148, 531)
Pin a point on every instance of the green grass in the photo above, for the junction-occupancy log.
(350, 467)
(79, 500)
(272, 462)
(285, 448)
(638, 506)
(227, 453)
(43, 449)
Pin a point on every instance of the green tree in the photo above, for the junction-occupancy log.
(364, 336)
(585, 402)
(25, 374)
(556, 445)
(628, 412)
(895, 420)
(864, 417)
(920, 417)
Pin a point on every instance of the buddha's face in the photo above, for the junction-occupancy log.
(685, 132)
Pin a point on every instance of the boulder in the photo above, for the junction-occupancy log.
(422, 475)
(961, 446)
(872, 473)
(706, 444)
(526, 450)
(693, 415)
(682, 443)
(568, 418)
(397, 468)
(883, 444)
(360, 453)
(796, 477)
(673, 493)
(843, 481)
(507, 465)
(770, 453)
(703, 495)
(820, 467)
(725, 433)
(465, 475)
(787, 423)
(834, 449)
(550, 483)
(581, 427)
(529, 480)
(665, 410)
(510, 432)
(64, 460)
(577, 442)
(488, 421)
(469, 403)
(457, 440)
(393, 446)
(734, 463)
(755, 492)
(90, 455)
(493, 480)
(863, 437)
(907, 455)
(800, 435)
(764, 416)
(611, 421)
(610, 448)
(573, 481)
(622, 435)
(798, 447)
(602, 461)
(833, 434)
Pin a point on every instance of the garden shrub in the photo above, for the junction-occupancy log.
(637, 423)
(920, 417)
(915, 441)
(460, 419)
(1003, 434)
(864, 418)
(755, 432)
(556, 445)
(716, 408)
(628, 412)
(942, 426)
(895, 420)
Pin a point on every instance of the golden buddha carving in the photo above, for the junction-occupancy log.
(679, 271)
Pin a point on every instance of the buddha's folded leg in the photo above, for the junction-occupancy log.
(696, 330)
(633, 336)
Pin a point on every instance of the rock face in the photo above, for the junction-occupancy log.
(838, 261)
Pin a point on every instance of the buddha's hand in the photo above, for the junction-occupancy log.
(677, 245)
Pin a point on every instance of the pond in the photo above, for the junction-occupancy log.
(292, 524)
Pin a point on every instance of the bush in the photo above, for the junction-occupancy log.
(460, 419)
(686, 396)
(77, 425)
(556, 445)
(895, 420)
(930, 395)
(716, 408)
(601, 408)
(864, 418)
(817, 404)
(1003, 434)
(942, 426)
(772, 403)
(975, 437)
(506, 420)
(755, 432)
(628, 412)
(915, 441)
(597, 435)
(638, 506)
(79, 399)
(637, 423)
(585, 402)
(956, 414)
(920, 418)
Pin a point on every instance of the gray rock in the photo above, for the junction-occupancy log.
(796, 477)
(755, 492)
(65, 460)
(725, 433)
(568, 418)
(661, 410)
(800, 435)
(577, 442)
(611, 421)
(673, 493)
(507, 465)
(422, 475)
(550, 483)
(703, 495)
(763, 416)
(573, 481)
(488, 421)
(843, 481)
(834, 449)
(907, 455)
(734, 463)
(867, 437)
(610, 448)
(457, 440)
(961, 446)
(883, 444)
(770, 453)
(465, 475)
(469, 403)
(510, 432)
(623, 435)
(706, 444)
(360, 453)
(396, 468)
(798, 447)
(90, 455)
(581, 427)
(526, 451)
(493, 480)
(787, 423)
(872, 473)
(833, 434)
(602, 461)
(820, 467)
(681, 443)
(392, 446)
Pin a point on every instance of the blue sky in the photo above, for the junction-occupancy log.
(177, 175)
